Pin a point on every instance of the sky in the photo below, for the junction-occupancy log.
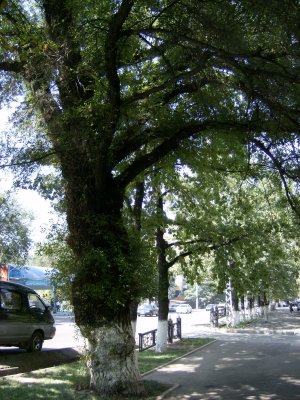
(29, 200)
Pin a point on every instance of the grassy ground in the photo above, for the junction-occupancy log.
(70, 381)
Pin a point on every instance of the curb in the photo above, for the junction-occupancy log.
(263, 331)
(164, 394)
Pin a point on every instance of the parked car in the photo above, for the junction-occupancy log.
(25, 319)
(183, 309)
(172, 307)
(147, 310)
(209, 307)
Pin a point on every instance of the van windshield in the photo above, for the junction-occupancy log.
(35, 303)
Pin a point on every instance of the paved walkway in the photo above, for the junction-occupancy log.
(260, 362)
(281, 321)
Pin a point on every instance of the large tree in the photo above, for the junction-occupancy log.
(118, 85)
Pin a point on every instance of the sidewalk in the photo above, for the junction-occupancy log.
(238, 366)
(280, 321)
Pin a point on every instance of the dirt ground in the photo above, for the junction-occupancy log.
(15, 361)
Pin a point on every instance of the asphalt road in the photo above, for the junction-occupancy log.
(68, 335)
(262, 363)
(237, 367)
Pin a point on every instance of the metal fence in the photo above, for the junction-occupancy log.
(215, 314)
(148, 339)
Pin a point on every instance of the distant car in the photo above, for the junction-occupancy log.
(172, 307)
(147, 310)
(221, 306)
(209, 307)
(183, 309)
(295, 305)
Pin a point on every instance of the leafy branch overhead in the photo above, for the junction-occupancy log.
(113, 90)
(151, 84)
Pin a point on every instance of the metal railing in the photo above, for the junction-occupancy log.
(215, 314)
(174, 329)
(148, 339)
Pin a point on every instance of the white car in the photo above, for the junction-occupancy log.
(184, 309)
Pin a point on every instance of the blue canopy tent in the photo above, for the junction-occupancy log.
(38, 278)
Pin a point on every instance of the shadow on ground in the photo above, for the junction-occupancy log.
(15, 361)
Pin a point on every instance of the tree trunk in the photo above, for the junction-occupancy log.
(162, 336)
(243, 308)
(112, 360)
(266, 308)
(133, 316)
(104, 286)
(235, 309)
(260, 306)
(163, 285)
(251, 307)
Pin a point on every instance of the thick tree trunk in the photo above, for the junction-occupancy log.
(112, 360)
(104, 285)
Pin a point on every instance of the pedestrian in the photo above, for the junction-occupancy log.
(291, 308)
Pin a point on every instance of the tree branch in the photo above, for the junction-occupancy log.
(111, 51)
(169, 143)
(215, 246)
(281, 171)
(164, 148)
(15, 66)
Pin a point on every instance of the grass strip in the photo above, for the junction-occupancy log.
(70, 381)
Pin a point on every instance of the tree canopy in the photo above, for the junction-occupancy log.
(117, 86)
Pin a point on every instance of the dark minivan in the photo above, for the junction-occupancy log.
(25, 320)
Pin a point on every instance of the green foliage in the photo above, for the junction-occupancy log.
(15, 230)
(121, 87)
(60, 257)
(207, 293)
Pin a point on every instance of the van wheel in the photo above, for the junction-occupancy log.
(35, 342)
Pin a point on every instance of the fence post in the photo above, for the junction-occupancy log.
(140, 341)
(216, 316)
(170, 330)
(178, 327)
(154, 337)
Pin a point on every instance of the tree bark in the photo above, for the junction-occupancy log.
(163, 284)
(235, 309)
(112, 360)
(162, 335)
(100, 292)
